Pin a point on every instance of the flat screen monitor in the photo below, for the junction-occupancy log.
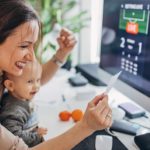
(125, 44)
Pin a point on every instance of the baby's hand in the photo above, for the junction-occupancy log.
(41, 131)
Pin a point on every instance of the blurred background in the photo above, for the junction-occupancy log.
(83, 18)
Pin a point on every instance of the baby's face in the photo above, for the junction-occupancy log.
(28, 84)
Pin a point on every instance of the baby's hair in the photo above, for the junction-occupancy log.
(5, 76)
(8, 76)
(35, 63)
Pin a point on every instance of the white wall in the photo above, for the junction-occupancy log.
(96, 27)
(85, 34)
(81, 53)
(89, 37)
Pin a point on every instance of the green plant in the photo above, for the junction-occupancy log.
(55, 13)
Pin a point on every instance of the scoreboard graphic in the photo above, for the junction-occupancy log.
(134, 21)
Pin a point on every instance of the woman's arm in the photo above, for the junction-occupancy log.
(66, 42)
(50, 68)
(67, 140)
(95, 118)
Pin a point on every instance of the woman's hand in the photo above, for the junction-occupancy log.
(97, 117)
(98, 114)
(66, 41)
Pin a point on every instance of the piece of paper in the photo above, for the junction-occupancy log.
(103, 142)
(112, 82)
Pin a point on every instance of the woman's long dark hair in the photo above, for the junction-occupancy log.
(13, 13)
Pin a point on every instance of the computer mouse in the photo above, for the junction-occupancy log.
(117, 113)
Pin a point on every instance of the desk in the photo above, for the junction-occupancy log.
(50, 102)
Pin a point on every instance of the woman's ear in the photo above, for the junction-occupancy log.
(9, 85)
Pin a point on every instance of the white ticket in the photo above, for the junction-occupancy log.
(112, 82)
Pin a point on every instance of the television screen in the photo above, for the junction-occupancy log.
(125, 43)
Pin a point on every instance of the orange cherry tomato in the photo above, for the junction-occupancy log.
(77, 115)
(64, 115)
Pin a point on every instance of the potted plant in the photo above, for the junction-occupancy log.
(54, 15)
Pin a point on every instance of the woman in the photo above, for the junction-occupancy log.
(19, 31)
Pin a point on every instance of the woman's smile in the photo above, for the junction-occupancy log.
(20, 65)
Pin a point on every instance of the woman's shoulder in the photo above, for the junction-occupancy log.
(9, 141)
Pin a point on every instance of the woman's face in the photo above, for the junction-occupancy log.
(18, 48)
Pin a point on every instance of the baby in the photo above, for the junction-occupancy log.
(17, 115)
